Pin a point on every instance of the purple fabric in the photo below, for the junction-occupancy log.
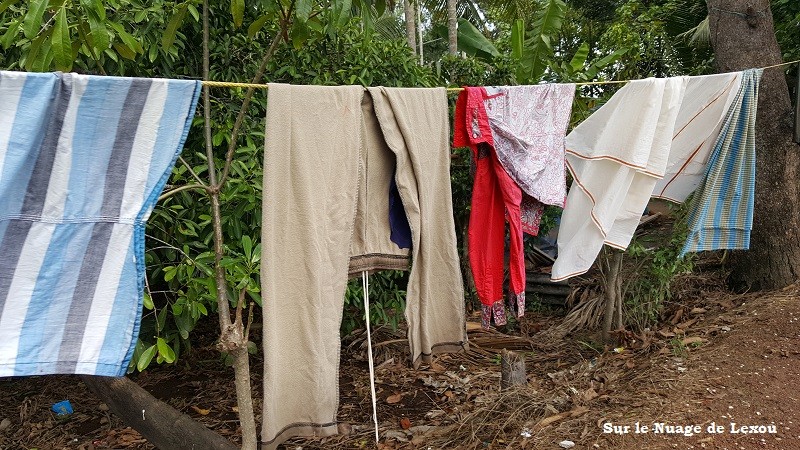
(400, 231)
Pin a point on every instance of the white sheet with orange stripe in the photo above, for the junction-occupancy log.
(652, 137)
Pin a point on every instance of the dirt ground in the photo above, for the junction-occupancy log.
(717, 366)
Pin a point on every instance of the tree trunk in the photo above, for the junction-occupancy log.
(452, 27)
(611, 260)
(743, 37)
(512, 370)
(419, 35)
(161, 424)
(233, 335)
(797, 109)
(411, 28)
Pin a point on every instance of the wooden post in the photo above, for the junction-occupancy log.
(512, 370)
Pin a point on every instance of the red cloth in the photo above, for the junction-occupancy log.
(496, 198)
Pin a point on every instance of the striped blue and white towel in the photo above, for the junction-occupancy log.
(82, 162)
(721, 213)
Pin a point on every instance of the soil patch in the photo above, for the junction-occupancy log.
(716, 358)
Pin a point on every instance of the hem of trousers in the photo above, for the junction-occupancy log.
(496, 309)
(444, 347)
(305, 429)
(518, 300)
(376, 262)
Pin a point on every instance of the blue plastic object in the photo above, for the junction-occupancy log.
(62, 408)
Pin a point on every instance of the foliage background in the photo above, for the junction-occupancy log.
(348, 43)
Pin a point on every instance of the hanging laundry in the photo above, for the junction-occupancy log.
(697, 126)
(496, 198)
(517, 139)
(320, 223)
(414, 122)
(379, 211)
(721, 213)
(82, 161)
(398, 222)
(528, 125)
(616, 156)
(310, 190)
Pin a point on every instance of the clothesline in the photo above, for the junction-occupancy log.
(227, 84)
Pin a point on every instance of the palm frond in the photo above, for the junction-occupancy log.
(699, 36)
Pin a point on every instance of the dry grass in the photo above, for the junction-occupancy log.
(574, 385)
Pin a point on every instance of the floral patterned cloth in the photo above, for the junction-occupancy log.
(516, 305)
(528, 126)
(496, 199)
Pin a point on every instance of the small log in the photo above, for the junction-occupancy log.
(162, 425)
(512, 369)
(562, 291)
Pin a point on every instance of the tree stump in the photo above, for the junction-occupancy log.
(512, 370)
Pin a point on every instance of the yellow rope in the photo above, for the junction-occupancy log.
(234, 85)
(226, 84)
(781, 64)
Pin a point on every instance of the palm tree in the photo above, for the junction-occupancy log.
(411, 28)
(452, 27)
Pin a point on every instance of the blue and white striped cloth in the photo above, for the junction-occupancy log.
(82, 162)
(721, 213)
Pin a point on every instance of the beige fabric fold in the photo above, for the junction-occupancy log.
(328, 162)
(414, 122)
(372, 248)
(311, 169)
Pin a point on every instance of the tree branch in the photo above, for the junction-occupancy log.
(185, 187)
(192, 172)
(245, 104)
(212, 173)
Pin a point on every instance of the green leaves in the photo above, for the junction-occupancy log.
(10, 34)
(579, 59)
(517, 39)
(62, 44)
(237, 10)
(96, 14)
(470, 40)
(303, 9)
(473, 42)
(5, 4)
(37, 58)
(596, 66)
(175, 22)
(300, 34)
(95, 7)
(145, 358)
(339, 14)
(46, 35)
(538, 49)
(147, 302)
(165, 351)
(33, 18)
(129, 41)
(257, 25)
(380, 7)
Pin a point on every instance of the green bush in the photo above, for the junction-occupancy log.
(656, 266)
(180, 256)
